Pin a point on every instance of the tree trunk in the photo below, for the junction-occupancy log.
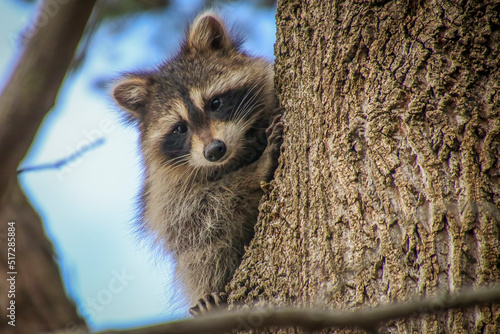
(389, 180)
(32, 296)
(40, 302)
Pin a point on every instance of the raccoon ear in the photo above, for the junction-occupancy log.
(132, 94)
(209, 32)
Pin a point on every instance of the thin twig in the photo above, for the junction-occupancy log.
(64, 161)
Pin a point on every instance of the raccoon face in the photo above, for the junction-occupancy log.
(207, 107)
(205, 131)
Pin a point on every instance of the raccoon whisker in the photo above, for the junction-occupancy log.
(256, 111)
(246, 122)
(199, 173)
(181, 157)
(249, 107)
(236, 113)
(181, 165)
(247, 104)
(244, 113)
(254, 97)
(177, 162)
(204, 173)
(196, 173)
(182, 181)
(189, 172)
(171, 167)
(185, 180)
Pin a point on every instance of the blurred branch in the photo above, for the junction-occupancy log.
(117, 8)
(64, 161)
(106, 10)
(37, 77)
(316, 319)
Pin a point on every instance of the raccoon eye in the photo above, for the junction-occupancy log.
(180, 129)
(215, 103)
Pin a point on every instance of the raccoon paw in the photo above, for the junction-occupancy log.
(209, 303)
(274, 132)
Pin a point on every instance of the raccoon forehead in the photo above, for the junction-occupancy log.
(168, 112)
(226, 81)
(178, 109)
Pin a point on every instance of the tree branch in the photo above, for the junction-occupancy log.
(33, 86)
(315, 319)
(60, 163)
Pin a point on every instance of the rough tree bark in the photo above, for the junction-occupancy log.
(389, 181)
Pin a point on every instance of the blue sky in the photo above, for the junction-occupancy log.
(88, 206)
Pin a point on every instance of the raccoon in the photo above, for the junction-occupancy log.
(210, 132)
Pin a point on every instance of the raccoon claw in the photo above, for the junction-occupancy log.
(274, 132)
(209, 303)
(278, 111)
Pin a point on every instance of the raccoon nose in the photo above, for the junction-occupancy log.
(215, 150)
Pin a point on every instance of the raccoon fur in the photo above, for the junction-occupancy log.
(209, 134)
